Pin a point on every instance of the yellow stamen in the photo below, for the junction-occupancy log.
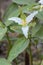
(24, 23)
(41, 7)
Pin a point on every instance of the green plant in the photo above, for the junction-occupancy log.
(21, 17)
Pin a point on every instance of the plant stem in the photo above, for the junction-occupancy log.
(30, 52)
(30, 55)
(27, 58)
(10, 45)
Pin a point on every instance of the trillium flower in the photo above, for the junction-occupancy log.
(24, 23)
(41, 2)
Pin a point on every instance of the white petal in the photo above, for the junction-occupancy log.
(30, 17)
(41, 2)
(16, 20)
(25, 31)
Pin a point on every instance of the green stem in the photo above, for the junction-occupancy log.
(30, 52)
(10, 45)
(30, 55)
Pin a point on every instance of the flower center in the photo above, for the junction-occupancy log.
(41, 7)
(24, 23)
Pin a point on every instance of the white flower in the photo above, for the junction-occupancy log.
(24, 23)
(41, 7)
(41, 2)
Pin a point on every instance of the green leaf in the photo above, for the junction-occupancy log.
(42, 62)
(35, 29)
(4, 62)
(23, 2)
(11, 11)
(39, 34)
(40, 15)
(16, 28)
(1, 24)
(28, 8)
(2, 32)
(19, 46)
